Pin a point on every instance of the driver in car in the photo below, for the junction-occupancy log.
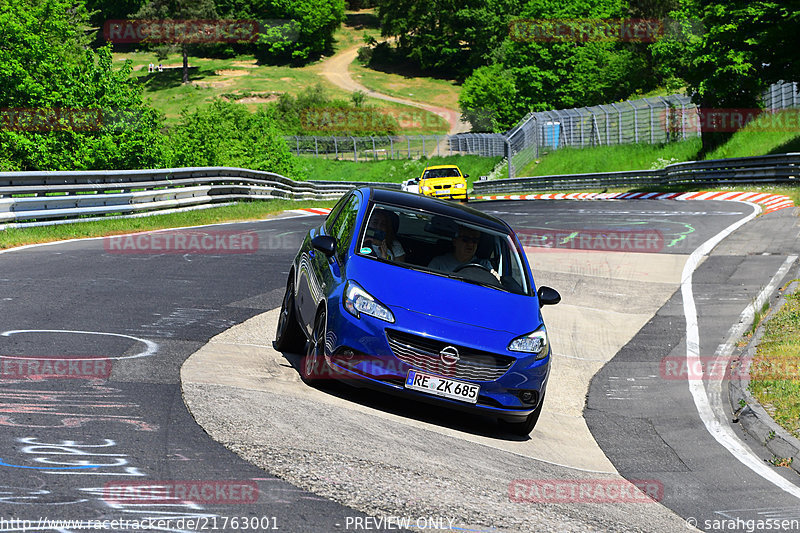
(465, 246)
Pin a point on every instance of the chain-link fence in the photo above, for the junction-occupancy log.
(653, 120)
(647, 120)
(782, 95)
(377, 148)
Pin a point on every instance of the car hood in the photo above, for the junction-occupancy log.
(451, 299)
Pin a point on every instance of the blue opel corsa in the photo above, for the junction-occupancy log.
(423, 298)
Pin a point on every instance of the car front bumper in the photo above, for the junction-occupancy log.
(360, 354)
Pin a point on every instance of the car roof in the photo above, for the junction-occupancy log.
(434, 205)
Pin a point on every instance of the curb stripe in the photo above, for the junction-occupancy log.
(769, 202)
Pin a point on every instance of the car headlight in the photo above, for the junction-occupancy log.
(357, 301)
(426, 188)
(460, 185)
(535, 342)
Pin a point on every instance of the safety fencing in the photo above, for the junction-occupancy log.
(375, 148)
(37, 196)
(763, 170)
(653, 120)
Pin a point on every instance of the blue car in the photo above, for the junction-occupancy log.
(423, 298)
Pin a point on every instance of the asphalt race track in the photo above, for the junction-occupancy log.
(128, 318)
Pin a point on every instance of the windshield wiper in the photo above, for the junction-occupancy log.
(476, 282)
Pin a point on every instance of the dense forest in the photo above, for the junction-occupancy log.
(725, 52)
(66, 106)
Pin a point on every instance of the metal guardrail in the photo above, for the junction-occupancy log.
(37, 196)
(33, 196)
(771, 169)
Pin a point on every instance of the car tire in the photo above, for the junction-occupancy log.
(288, 336)
(313, 366)
(524, 428)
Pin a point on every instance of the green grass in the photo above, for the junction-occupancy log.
(775, 372)
(356, 26)
(761, 138)
(255, 210)
(230, 78)
(393, 171)
(610, 158)
(226, 78)
(408, 84)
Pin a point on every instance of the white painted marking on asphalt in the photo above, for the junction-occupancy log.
(151, 347)
(84, 239)
(721, 432)
(748, 315)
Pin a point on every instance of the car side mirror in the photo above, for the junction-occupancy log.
(466, 175)
(548, 296)
(325, 244)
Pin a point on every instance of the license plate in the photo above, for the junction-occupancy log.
(444, 387)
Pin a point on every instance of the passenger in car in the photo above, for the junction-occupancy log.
(381, 236)
(465, 248)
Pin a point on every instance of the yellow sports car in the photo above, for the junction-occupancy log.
(444, 181)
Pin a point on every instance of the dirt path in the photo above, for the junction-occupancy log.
(336, 70)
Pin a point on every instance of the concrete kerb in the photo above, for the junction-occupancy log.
(749, 412)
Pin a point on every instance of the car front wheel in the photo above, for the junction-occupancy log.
(313, 365)
(288, 337)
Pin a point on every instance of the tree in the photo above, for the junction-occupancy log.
(181, 10)
(535, 70)
(291, 30)
(450, 36)
(489, 99)
(745, 46)
(65, 106)
(227, 134)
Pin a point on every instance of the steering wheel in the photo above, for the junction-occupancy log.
(459, 268)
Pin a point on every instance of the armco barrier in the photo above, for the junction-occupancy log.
(770, 169)
(36, 196)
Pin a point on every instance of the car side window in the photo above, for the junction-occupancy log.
(344, 225)
(335, 213)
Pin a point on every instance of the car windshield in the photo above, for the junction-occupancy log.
(444, 246)
(441, 173)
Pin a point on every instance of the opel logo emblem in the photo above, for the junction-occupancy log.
(449, 355)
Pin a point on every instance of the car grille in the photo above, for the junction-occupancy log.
(423, 353)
